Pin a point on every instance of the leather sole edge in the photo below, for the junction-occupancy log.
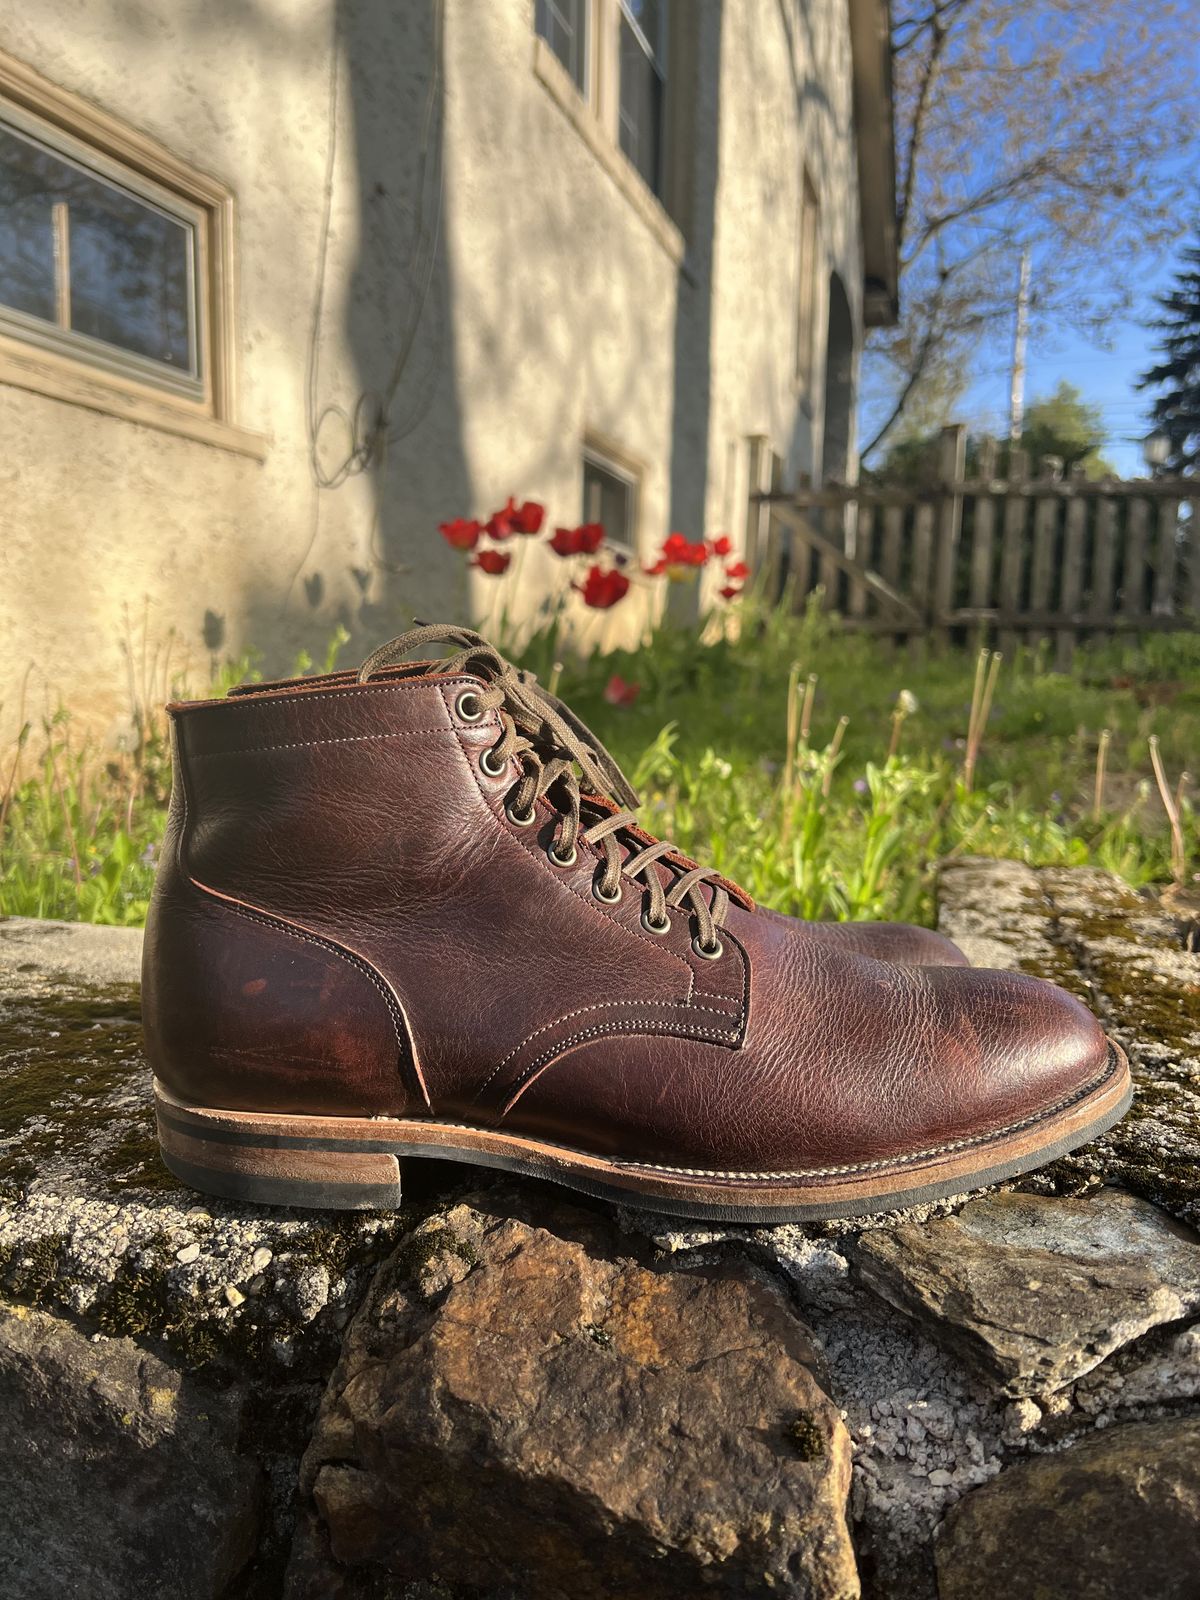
(353, 1163)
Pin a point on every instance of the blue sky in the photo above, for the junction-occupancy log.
(1104, 373)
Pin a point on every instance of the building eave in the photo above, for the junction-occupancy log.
(874, 131)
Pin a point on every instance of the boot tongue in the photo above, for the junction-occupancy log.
(539, 714)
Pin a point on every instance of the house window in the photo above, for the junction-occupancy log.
(102, 269)
(642, 55)
(605, 62)
(809, 281)
(610, 496)
(564, 26)
(116, 267)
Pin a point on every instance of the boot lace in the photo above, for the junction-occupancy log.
(555, 748)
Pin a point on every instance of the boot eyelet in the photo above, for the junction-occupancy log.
(467, 706)
(519, 821)
(561, 861)
(607, 899)
(489, 764)
(712, 952)
(656, 927)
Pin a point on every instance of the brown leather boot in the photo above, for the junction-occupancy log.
(413, 914)
(902, 943)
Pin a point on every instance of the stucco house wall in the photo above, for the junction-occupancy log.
(563, 304)
(786, 110)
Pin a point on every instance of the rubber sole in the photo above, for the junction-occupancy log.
(353, 1163)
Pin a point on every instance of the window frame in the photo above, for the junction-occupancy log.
(808, 279)
(594, 112)
(656, 57)
(85, 347)
(587, 46)
(600, 455)
(81, 370)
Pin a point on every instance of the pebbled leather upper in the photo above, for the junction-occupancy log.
(336, 852)
(901, 943)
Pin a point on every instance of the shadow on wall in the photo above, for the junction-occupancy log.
(696, 141)
(383, 420)
(839, 384)
(399, 324)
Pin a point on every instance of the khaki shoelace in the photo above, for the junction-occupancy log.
(551, 742)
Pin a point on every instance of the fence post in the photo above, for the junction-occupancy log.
(1163, 602)
(1071, 584)
(952, 464)
(984, 531)
(864, 543)
(1045, 530)
(831, 521)
(1104, 565)
(758, 514)
(1133, 574)
(1012, 556)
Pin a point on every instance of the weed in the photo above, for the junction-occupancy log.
(825, 771)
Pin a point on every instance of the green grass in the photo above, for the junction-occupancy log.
(841, 828)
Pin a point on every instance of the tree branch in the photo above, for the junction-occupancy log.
(916, 372)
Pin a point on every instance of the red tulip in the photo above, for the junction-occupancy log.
(460, 534)
(730, 591)
(502, 523)
(601, 589)
(680, 552)
(528, 518)
(722, 545)
(619, 693)
(737, 571)
(582, 541)
(493, 562)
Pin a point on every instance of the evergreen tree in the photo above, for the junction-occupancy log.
(1177, 375)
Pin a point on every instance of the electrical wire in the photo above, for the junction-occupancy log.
(368, 422)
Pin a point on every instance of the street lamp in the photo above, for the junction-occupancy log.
(1156, 447)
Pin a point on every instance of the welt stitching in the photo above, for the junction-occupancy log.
(305, 744)
(600, 1005)
(822, 1172)
(399, 1026)
(893, 1161)
(584, 899)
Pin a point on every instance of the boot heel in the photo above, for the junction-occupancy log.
(240, 1156)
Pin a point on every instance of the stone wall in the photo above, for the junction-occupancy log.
(502, 1391)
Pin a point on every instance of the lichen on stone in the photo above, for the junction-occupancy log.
(805, 1436)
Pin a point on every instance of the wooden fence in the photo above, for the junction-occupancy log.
(1023, 559)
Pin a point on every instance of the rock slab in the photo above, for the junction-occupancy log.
(1116, 1515)
(530, 1407)
(1035, 1291)
(1134, 958)
(108, 1455)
